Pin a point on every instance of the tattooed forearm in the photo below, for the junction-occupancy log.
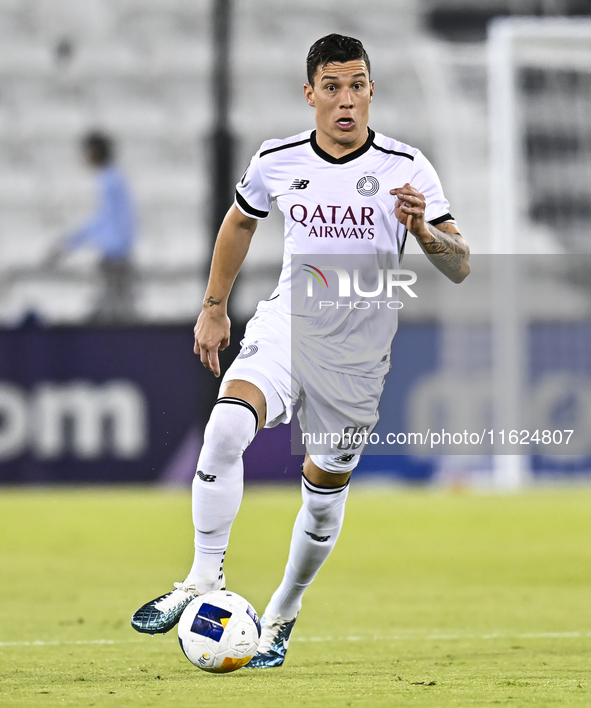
(447, 250)
(211, 302)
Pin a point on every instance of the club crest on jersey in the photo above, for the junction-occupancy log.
(300, 183)
(368, 186)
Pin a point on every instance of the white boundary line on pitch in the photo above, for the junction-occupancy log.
(448, 637)
(58, 642)
(374, 638)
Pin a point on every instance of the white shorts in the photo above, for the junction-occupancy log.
(338, 410)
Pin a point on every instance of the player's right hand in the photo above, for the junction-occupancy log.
(212, 334)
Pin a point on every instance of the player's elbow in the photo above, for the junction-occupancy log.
(460, 275)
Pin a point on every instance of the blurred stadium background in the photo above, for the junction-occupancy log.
(189, 89)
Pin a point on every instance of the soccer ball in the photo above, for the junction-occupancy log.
(219, 631)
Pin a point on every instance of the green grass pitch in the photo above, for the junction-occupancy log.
(430, 599)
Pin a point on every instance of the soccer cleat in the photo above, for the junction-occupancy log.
(274, 642)
(162, 614)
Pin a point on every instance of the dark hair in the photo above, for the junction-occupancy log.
(334, 48)
(99, 146)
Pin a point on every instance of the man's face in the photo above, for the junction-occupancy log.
(91, 158)
(341, 96)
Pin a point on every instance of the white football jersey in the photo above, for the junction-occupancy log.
(338, 207)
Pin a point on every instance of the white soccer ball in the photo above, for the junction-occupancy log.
(219, 631)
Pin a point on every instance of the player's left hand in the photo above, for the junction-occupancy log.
(410, 208)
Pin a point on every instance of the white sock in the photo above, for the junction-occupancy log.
(315, 533)
(218, 486)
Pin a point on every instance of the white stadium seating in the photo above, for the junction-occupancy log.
(140, 70)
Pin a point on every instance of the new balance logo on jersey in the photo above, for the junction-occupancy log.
(314, 537)
(300, 183)
(206, 477)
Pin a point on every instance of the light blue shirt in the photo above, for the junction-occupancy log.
(112, 229)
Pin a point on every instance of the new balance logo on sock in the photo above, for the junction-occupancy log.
(320, 539)
(206, 477)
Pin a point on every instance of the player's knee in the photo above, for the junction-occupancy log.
(336, 463)
(220, 434)
(325, 509)
(232, 426)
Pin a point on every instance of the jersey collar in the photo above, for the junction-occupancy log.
(346, 158)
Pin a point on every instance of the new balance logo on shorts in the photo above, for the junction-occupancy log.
(320, 539)
(206, 477)
(300, 183)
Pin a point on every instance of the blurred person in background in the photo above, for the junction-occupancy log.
(111, 231)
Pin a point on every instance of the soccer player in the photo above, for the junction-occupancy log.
(340, 175)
